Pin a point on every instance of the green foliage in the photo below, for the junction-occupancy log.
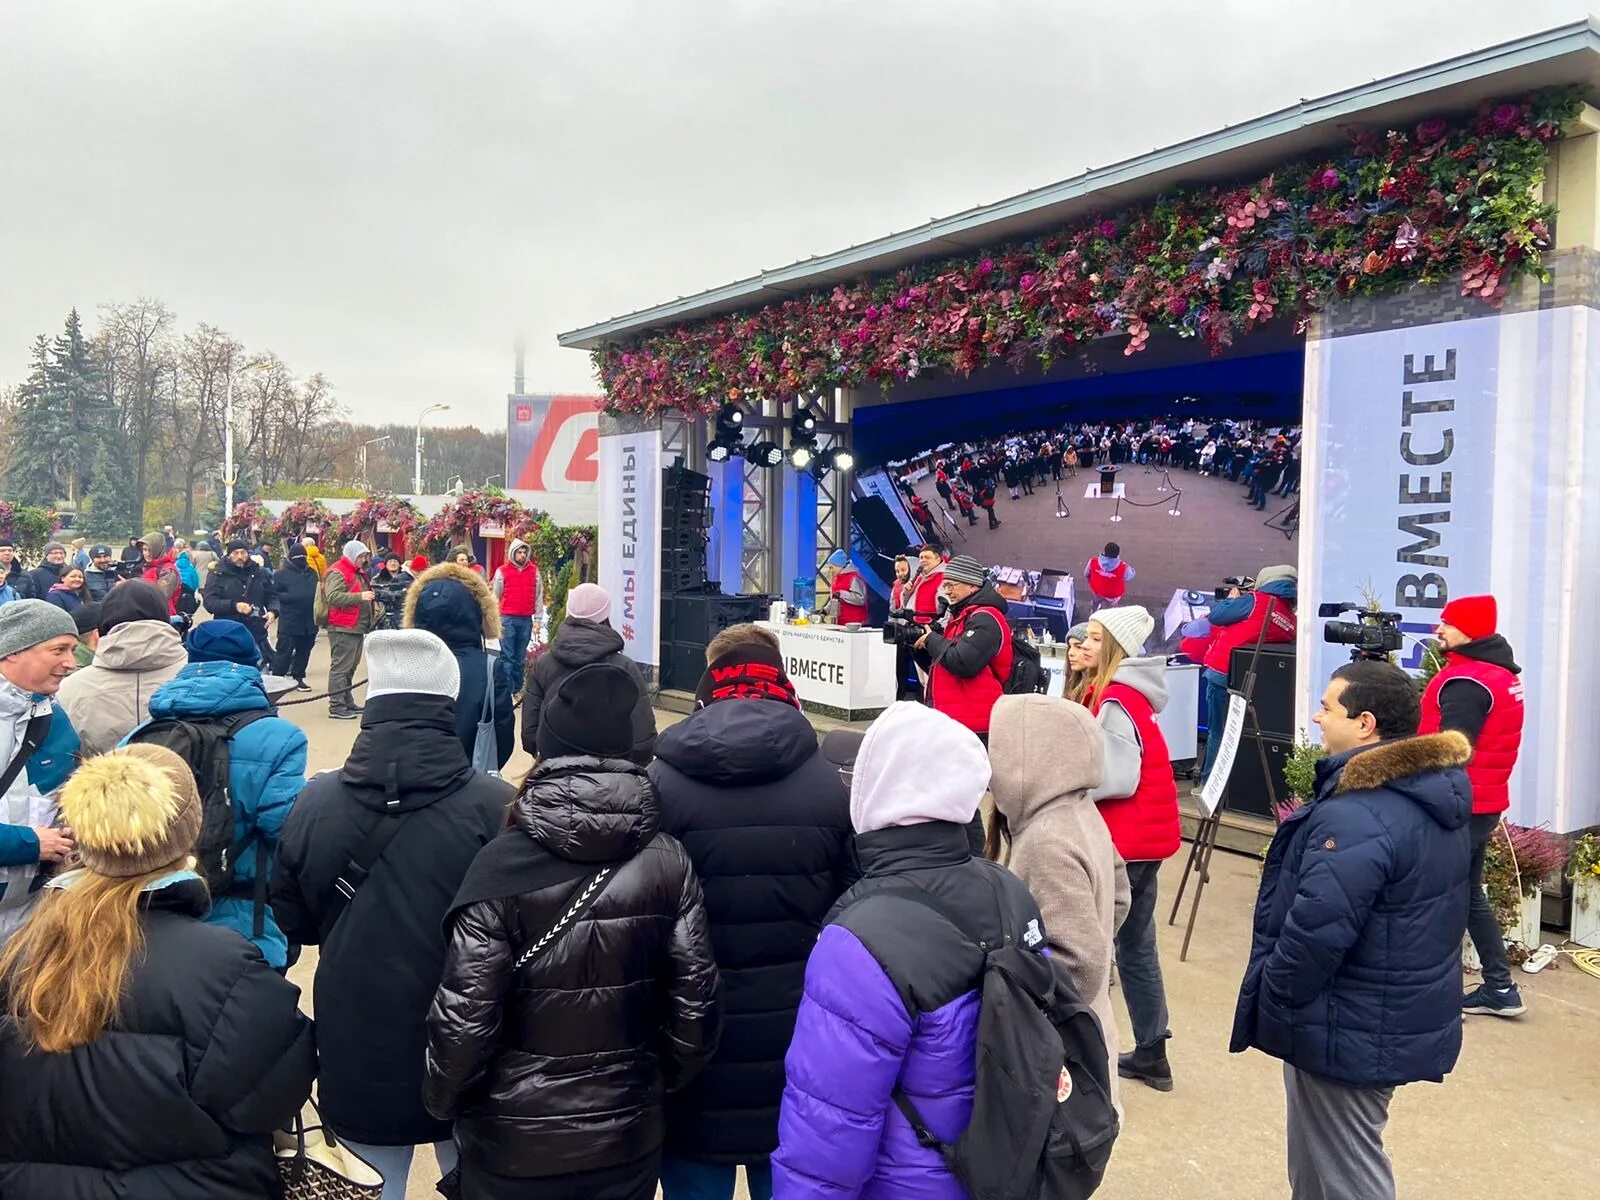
(1585, 861)
(107, 513)
(1300, 770)
(27, 525)
(284, 490)
(40, 435)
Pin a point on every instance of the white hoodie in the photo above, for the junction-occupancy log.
(916, 765)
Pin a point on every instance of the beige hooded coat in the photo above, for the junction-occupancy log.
(1047, 755)
(110, 698)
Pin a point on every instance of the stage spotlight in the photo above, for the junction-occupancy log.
(718, 451)
(803, 422)
(843, 460)
(800, 455)
(765, 454)
(730, 422)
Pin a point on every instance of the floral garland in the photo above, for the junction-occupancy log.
(1416, 206)
(246, 517)
(401, 515)
(27, 525)
(452, 525)
(291, 523)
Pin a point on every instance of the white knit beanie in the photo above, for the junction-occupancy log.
(410, 662)
(1129, 626)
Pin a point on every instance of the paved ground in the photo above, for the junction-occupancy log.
(1520, 1115)
(1217, 535)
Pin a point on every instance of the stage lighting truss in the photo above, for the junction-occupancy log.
(836, 459)
(802, 439)
(729, 438)
(764, 454)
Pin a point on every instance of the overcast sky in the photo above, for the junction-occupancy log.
(390, 192)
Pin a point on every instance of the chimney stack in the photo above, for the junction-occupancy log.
(520, 383)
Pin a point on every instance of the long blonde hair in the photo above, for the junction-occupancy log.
(1096, 679)
(66, 969)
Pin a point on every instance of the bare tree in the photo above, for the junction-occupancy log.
(135, 351)
(194, 407)
(312, 432)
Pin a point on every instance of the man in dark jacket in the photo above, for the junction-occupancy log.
(102, 575)
(294, 590)
(766, 820)
(970, 660)
(1355, 966)
(47, 574)
(237, 591)
(383, 948)
(586, 637)
(455, 604)
(10, 571)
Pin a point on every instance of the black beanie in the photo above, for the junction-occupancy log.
(589, 713)
(132, 600)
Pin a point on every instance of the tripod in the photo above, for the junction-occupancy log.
(1286, 522)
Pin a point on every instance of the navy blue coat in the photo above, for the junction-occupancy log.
(456, 605)
(1355, 965)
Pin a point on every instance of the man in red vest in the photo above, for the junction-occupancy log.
(1109, 576)
(352, 614)
(516, 586)
(1477, 693)
(1240, 621)
(970, 661)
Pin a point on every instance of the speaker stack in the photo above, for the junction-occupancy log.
(1274, 704)
(693, 608)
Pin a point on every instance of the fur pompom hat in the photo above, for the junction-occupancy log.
(132, 811)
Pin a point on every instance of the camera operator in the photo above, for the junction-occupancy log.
(237, 591)
(1477, 693)
(970, 660)
(1239, 621)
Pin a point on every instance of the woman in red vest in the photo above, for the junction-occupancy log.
(1139, 800)
(848, 592)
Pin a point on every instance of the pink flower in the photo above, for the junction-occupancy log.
(1431, 131)
(1507, 115)
(986, 267)
(1027, 282)
(872, 312)
(1107, 229)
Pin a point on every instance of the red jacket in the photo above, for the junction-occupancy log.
(1109, 585)
(1145, 826)
(1495, 751)
(971, 701)
(843, 582)
(1280, 628)
(354, 581)
(925, 597)
(519, 592)
(153, 573)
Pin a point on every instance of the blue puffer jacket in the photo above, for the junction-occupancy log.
(266, 770)
(1355, 966)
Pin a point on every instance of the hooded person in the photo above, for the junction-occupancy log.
(516, 589)
(408, 809)
(351, 613)
(202, 556)
(892, 988)
(161, 568)
(457, 605)
(579, 986)
(1047, 756)
(294, 591)
(586, 637)
(1138, 799)
(240, 591)
(37, 644)
(177, 1027)
(222, 686)
(139, 651)
(766, 820)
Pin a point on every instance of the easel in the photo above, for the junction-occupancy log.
(1205, 838)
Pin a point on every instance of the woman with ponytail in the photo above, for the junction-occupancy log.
(1138, 797)
(142, 1052)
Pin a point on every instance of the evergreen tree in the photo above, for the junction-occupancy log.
(42, 435)
(78, 390)
(108, 510)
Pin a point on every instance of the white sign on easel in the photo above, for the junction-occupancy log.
(1232, 731)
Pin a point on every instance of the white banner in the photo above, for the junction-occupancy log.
(630, 539)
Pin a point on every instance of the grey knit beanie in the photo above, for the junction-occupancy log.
(963, 568)
(24, 624)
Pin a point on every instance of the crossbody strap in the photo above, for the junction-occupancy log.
(488, 689)
(583, 900)
(357, 870)
(32, 738)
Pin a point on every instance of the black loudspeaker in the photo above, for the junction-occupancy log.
(1274, 691)
(1247, 790)
(682, 665)
(878, 525)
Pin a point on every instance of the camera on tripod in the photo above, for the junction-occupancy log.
(1245, 583)
(900, 630)
(1374, 635)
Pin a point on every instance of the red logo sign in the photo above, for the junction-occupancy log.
(524, 412)
(566, 447)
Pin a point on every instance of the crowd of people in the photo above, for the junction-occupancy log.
(665, 956)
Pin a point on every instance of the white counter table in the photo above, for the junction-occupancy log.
(838, 672)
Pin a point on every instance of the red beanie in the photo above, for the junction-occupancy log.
(419, 564)
(1475, 616)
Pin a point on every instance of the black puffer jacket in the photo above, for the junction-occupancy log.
(294, 590)
(577, 644)
(766, 821)
(208, 1055)
(560, 1066)
(230, 585)
(381, 963)
(456, 605)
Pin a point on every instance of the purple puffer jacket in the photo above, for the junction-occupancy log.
(839, 1133)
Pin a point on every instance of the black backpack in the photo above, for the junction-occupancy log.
(1027, 672)
(1042, 1123)
(188, 600)
(203, 744)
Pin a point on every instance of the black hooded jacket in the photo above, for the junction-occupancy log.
(578, 643)
(1464, 703)
(456, 605)
(294, 590)
(766, 820)
(559, 1066)
(382, 960)
(232, 584)
(209, 1054)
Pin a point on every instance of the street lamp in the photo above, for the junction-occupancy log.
(369, 442)
(416, 479)
(228, 476)
(492, 478)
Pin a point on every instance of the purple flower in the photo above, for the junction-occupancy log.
(1328, 180)
(872, 312)
(1027, 281)
(986, 266)
(1107, 228)
(1431, 131)
(1507, 115)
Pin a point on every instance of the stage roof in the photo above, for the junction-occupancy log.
(1565, 56)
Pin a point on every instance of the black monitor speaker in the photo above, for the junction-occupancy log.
(1247, 788)
(1275, 683)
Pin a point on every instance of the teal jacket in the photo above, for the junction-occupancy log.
(266, 769)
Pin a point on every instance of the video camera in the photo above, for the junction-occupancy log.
(1375, 635)
(901, 629)
(1245, 583)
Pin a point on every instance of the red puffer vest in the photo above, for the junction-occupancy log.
(925, 597)
(1280, 628)
(895, 595)
(1109, 585)
(1495, 752)
(152, 574)
(520, 590)
(354, 581)
(849, 612)
(1144, 826)
(970, 701)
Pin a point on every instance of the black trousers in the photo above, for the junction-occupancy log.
(294, 652)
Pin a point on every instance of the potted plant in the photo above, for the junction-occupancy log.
(1300, 775)
(1584, 871)
(1515, 862)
